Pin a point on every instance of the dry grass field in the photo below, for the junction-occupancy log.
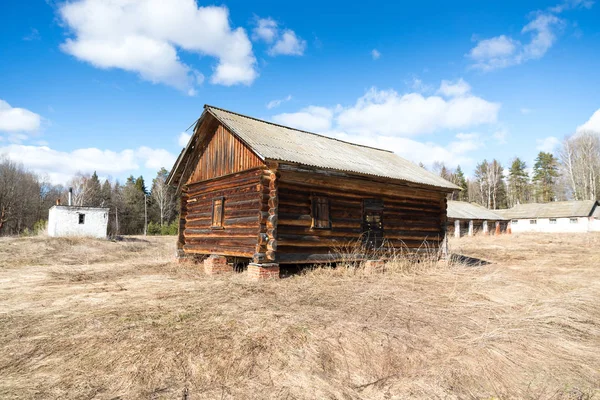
(90, 319)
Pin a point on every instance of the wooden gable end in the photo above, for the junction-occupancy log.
(223, 154)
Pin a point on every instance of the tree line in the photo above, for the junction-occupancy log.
(26, 197)
(571, 173)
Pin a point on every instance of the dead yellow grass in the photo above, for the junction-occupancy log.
(95, 319)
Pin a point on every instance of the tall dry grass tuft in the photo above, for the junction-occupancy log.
(355, 258)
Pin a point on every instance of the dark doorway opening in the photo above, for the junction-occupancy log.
(373, 223)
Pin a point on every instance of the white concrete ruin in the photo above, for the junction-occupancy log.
(78, 221)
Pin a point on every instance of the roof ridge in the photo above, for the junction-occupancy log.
(295, 129)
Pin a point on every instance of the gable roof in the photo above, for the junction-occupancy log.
(469, 211)
(555, 209)
(280, 143)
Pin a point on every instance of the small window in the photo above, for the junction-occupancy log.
(217, 213)
(514, 221)
(533, 221)
(81, 219)
(573, 220)
(552, 220)
(320, 213)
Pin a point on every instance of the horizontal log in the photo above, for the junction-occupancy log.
(234, 191)
(243, 253)
(292, 174)
(206, 241)
(352, 189)
(250, 232)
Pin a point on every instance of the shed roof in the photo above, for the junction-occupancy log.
(280, 143)
(555, 209)
(471, 211)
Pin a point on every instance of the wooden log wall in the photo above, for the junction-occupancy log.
(245, 211)
(223, 155)
(182, 217)
(411, 215)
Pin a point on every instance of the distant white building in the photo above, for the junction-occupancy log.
(77, 221)
(558, 216)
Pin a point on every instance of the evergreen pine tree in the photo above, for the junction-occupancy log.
(518, 182)
(545, 172)
(94, 191)
(460, 180)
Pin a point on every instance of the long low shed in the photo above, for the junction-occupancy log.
(469, 219)
(555, 217)
(274, 195)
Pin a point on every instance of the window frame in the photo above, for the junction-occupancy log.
(573, 220)
(533, 222)
(316, 220)
(514, 221)
(553, 221)
(220, 224)
(81, 218)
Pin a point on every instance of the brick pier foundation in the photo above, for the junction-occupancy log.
(214, 265)
(257, 272)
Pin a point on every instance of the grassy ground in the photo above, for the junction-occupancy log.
(94, 319)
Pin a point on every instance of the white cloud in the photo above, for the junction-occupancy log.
(183, 139)
(33, 35)
(284, 42)
(500, 136)
(417, 85)
(386, 119)
(276, 103)
(453, 89)
(145, 37)
(288, 44)
(592, 124)
(375, 54)
(547, 144)
(570, 4)
(312, 119)
(14, 119)
(385, 112)
(502, 51)
(266, 29)
(61, 165)
(526, 111)
(496, 47)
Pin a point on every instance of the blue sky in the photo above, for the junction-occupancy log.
(111, 85)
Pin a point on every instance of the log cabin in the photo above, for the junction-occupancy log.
(272, 195)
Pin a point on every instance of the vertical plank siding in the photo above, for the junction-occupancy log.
(224, 154)
(410, 217)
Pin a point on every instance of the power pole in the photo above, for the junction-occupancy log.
(145, 214)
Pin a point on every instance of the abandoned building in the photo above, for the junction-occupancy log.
(72, 220)
(557, 216)
(273, 195)
(468, 219)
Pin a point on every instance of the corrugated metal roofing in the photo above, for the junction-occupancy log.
(555, 209)
(280, 143)
(469, 211)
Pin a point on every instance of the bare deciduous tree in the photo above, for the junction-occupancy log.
(580, 164)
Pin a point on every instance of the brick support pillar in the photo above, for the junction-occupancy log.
(485, 228)
(497, 230)
(471, 228)
(457, 228)
(214, 265)
(259, 272)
